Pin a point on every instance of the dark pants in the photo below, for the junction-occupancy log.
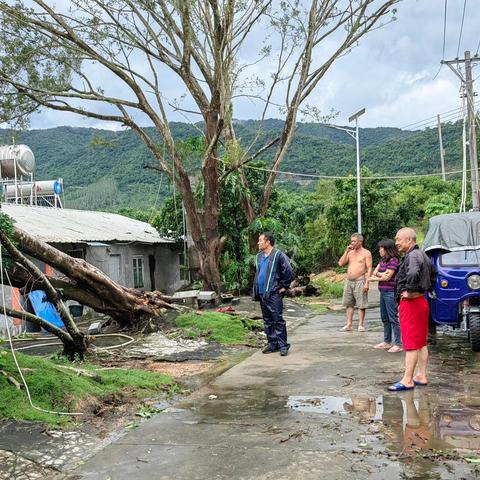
(275, 326)
(389, 315)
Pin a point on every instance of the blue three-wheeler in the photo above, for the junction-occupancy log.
(453, 244)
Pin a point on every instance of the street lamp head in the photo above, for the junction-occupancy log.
(356, 115)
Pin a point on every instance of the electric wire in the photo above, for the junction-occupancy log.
(463, 200)
(461, 26)
(349, 177)
(27, 390)
(463, 203)
(110, 347)
(444, 29)
(445, 118)
(444, 36)
(155, 203)
(433, 118)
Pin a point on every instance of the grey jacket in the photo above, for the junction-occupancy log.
(415, 274)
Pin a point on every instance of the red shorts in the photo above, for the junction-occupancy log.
(413, 315)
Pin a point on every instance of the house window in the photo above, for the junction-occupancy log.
(138, 272)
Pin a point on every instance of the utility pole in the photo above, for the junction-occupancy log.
(467, 84)
(442, 151)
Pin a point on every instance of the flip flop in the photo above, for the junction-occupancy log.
(346, 329)
(395, 349)
(420, 384)
(399, 387)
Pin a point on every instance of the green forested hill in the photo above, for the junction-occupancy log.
(103, 169)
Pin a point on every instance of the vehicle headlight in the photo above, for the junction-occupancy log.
(473, 282)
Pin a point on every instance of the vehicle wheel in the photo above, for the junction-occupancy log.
(474, 324)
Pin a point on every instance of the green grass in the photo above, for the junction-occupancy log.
(220, 327)
(328, 289)
(59, 389)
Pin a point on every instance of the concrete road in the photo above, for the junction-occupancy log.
(322, 412)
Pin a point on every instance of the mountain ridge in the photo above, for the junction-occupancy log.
(104, 169)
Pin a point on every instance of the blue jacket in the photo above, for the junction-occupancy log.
(279, 273)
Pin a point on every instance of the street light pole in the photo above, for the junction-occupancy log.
(355, 134)
(359, 196)
(357, 141)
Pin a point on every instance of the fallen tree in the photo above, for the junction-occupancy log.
(130, 308)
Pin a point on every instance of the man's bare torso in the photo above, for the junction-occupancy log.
(357, 263)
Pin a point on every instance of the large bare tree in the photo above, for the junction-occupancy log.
(111, 60)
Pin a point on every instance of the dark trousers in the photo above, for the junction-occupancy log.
(275, 326)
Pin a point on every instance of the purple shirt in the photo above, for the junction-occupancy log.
(383, 266)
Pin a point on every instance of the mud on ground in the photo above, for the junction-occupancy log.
(32, 451)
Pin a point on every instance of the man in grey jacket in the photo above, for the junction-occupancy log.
(414, 279)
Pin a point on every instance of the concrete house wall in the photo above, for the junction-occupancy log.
(111, 242)
(161, 262)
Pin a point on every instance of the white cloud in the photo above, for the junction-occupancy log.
(391, 73)
(429, 99)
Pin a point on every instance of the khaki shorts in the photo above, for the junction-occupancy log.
(353, 294)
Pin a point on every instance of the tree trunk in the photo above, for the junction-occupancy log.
(209, 264)
(88, 285)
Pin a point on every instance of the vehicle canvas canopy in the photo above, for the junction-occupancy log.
(453, 232)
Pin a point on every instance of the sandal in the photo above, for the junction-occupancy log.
(399, 387)
(383, 346)
(361, 328)
(418, 383)
(395, 349)
(346, 328)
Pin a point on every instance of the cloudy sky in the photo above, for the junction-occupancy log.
(394, 73)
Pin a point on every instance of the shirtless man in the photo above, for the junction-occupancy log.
(355, 292)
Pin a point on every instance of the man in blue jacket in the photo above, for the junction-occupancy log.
(272, 279)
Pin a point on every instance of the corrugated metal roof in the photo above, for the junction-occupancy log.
(62, 225)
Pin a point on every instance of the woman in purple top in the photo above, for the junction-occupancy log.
(384, 274)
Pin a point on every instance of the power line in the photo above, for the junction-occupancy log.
(461, 26)
(349, 177)
(444, 36)
(430, 121)
(444, 30)
(452, 117)
(433, 117)
(466, 83)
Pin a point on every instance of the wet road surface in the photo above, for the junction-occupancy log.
(321, 412)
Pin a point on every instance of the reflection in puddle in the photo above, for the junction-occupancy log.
(337, 405)
(460, 428)
(413, 423)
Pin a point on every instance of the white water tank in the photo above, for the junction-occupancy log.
(43, 188)
(19, 155)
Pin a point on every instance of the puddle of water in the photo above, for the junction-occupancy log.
(412, 423)
(337, 405)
